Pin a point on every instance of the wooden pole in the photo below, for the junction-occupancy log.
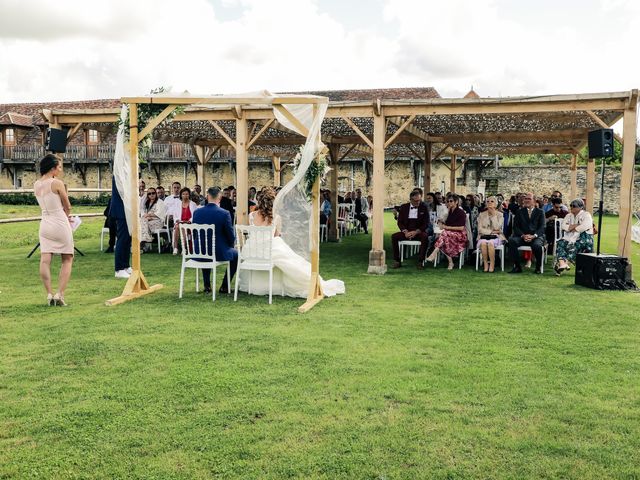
(452, 173)
(275, 162)
(590, 184)
(427, 167)
(242, 171)
(315, 288)
(630, 123)
(137, 284)
(574, 176)
(334, 153)
(377, 257)
(200, 173)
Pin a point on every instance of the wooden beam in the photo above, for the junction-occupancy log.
(590, 185)
(260, 132)
(355, 128)
(154, 122)
(302, 130)
(275, 162)
(224, 134)
(377, 258)
(399, 131)
(242, 172)
(225, 100)
(574, 176)
(602, 123)
(452, 174)
(629, 133)
(71, 133)
(344, 155)
(427, 167)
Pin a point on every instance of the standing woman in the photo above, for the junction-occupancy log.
(453, 239)
(56, 236)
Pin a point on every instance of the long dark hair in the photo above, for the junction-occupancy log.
(148, 205)
(265, 203)
(48, 163)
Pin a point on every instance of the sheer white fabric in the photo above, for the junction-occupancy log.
(292, 273)
(122, 169)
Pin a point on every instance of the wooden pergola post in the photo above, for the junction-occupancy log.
(334, 152)
(275, 162)
(242, 171)
(315, 288)
(377, 258)
(452, 173)
(427, 167)
(590, 184)
(201, 162)
(630, 124)
(574, 176)
(137, 284)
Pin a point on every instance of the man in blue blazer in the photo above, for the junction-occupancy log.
(212, 214)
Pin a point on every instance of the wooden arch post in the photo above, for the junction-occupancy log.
(629, 136)
(137, 284)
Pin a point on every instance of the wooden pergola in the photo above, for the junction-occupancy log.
(426, 129)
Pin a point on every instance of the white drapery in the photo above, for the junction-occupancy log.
(291, 203)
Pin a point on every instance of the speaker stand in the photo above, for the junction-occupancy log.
(600, 206)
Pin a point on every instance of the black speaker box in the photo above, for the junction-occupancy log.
(602, 272)
(56, 140)
(601, 143)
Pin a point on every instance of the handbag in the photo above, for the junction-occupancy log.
(488, 237)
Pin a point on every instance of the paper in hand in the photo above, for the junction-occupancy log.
(75, 222)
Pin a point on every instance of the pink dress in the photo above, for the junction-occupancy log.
(55, 231)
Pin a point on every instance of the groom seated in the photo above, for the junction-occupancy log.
(413, 221)
(212, 214)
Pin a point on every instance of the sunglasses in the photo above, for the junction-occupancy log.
(151, 193)
(451, 201)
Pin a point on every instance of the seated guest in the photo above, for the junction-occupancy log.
(182, 213)
(370, 202)
(151, 218)
(361, 209)
(413, 222)
(453, 239)
(428, 199)
(160, 192)
(578, 236)
(528, 230)
(172, 201)
(325, 207)
(490, 235)
(555, 194)
(439, 207)
(556, 212)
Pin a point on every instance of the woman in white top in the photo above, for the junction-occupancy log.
(151, 218)
(292, 274)
(577, 236)
(490, 234)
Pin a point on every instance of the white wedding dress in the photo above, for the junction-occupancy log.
(291, 273)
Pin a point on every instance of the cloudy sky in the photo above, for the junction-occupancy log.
(78, 49)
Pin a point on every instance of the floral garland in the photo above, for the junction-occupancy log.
(317, 170)
(146, 113)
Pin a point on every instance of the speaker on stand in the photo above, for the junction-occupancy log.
(56, 140)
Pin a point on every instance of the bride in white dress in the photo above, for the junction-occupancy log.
(292, 273)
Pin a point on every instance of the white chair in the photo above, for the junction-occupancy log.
(199, 252)
(323, 233)
(412, 246)
(102, 232)
(499, 250)
(558, 234)
(163, 230)
(345, 219)
(525, 248)
(635, 229)
(254, 253)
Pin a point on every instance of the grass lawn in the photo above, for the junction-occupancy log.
(409, 375)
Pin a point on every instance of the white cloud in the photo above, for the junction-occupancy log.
(74, 49)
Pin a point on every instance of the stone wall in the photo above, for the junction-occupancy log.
(400, 178)
(544, 179)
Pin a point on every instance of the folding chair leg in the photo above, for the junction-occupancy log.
(235, 292)
(213, 284)
(229, 277)
(197, 280)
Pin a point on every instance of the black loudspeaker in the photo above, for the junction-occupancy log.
(56, 140)
(601, 143)
(602, 272)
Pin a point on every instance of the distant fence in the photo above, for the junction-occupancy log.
(34, 219)
(30, 190)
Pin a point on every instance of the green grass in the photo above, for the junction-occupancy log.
(430, 374)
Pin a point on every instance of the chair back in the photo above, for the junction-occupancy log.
(198, 241)
(343, 210)
(558, 233)
(254, 243)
